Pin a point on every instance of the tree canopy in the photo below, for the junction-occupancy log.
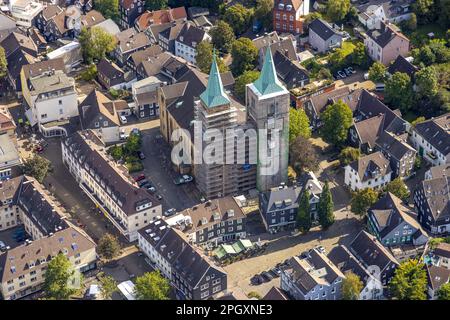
(349, 155)
(245, 56)
(108, 246)
(57, 278)
(154, 5)
(409, 281)
(37, 167)
(204, 58)
(426, 82)
(399, 91)
(96, 43)
(337, 119)
(3, 63)
(302, 155)
(362, 200)
(222, 36)
(398, 188)
(444, 292)
(108, 8)
(298, 124)
(377, 72)
(337, 10)
(238, 17)
(107, 286)
(244, 79)
(263, 12)
(325, 208)
(351, 286)
(304, 222)
(152, 286)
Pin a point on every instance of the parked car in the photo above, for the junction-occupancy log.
(170, 212)
(366, 76)
(256, 280)
(139, 177)
(266, 276)
(143, 183)
(123, 119)
(183, 179)
(123, 135)
(187, 178)
(2, 246)
(321, 249)
(151, 189)
(136, 131)
(159, 197)
(141, 155)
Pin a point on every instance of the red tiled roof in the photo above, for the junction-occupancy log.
(149, 18)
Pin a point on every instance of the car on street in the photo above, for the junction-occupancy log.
(135, 131)
(151, 189)
(143, 183)
(2, 246)
(256, 280)
(141, 155)
(321, 249)
(159, 197)
(170, 212)
(266, 276)
(183, 179)
(139, 177)
(123, 135)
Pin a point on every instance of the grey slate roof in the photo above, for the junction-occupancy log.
(9, 189)
(190, 35)
(396, 146)
(404, 66)
(96, 107)
(290, 72)
(436, 132)
(322, 28)
(366, 165)
(442, 250)
(437, 195)
(385, 35)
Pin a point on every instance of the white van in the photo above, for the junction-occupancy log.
(123, 119)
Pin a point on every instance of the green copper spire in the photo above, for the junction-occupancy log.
(268, 82)
(214, 95)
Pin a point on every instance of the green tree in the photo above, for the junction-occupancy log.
(426, 82)
(443, 7)
(398, 188)
(116, 151)
(411, 23)
(222, 36)
(90, 73)
(349, 155)
(108, 8)
(263, 12)
(424, 56)
(96, 43)
(444, 292)
(238, 17)
(337, 10)
(409, 281)
(324, 74)
(417, 121)
(302, 155)
(359, 56)
(245, 56)
(133, 144)
(108, 246)
(152, 286)
(57, 278)
(244, 79)
(107, 286)
(440, 50)
(304, 213)
(37, 167)
(424, 10)
(326, 207)
(154, 5)
(3, 63)
(298, 124)
(204, 58)
(337, 119)
(399, 91)
(377, 72)
(351, 286)
(362, 200)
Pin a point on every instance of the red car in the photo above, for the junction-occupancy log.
(139, 177)
(39, 149)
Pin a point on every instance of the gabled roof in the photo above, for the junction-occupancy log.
(129, 40)
(268, 83)
(38, 68)
(437, 276)
(162, 16)
(9, 189)
(322, 28)
(17, 41)
(97, 105)
(214, 95)
(109, 69)
(289, 71)
(437, 195)
(404, 66)
(50, 11)
(190, 35)
(275, 293)
(389, 212)
(374, 162)
(437, 132)
(385, 35)
(396, 146)
(92, 18)
(442, 250)
(370, 129)
(6, 122)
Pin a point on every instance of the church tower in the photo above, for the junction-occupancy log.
(267, 102)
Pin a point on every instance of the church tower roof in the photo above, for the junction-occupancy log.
(214, 95)
(268, 82)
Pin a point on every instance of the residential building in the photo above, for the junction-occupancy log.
(211, 222)
(129, 10)
(290, 72)
(135, 59)
(60, 23)
(111, 76)
(128, 42)
(267, 102)
(275, 293)
(49, 12)
(437, 171)
(441, 255)
(108, 185)
(436, 276)
(9, 211)
(7, 124)
(403, 65)
(70, 53)
(288, 15)
(167, 38)
(371, 171)
(431, 198)
(91, 19)
(286, 45)
(99, 114)
(346, 262)
(9, 158)
(163, 16)
(372, 17)
(431, 140)
(279, 206)
(22, 269)
(193, 275)
(394, 223)
(145, 97)
(188, 39)
(109, 26)
(50, 96)
(323, 36)
(373, 256)
(386, 44)
(392, 11)
(25, 11)
(312, 278)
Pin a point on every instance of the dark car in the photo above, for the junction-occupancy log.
(276, 271)
(266, 276)
(139, 177)
(141, 155)
(159, 197)
(143, 183)
(256, 280)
